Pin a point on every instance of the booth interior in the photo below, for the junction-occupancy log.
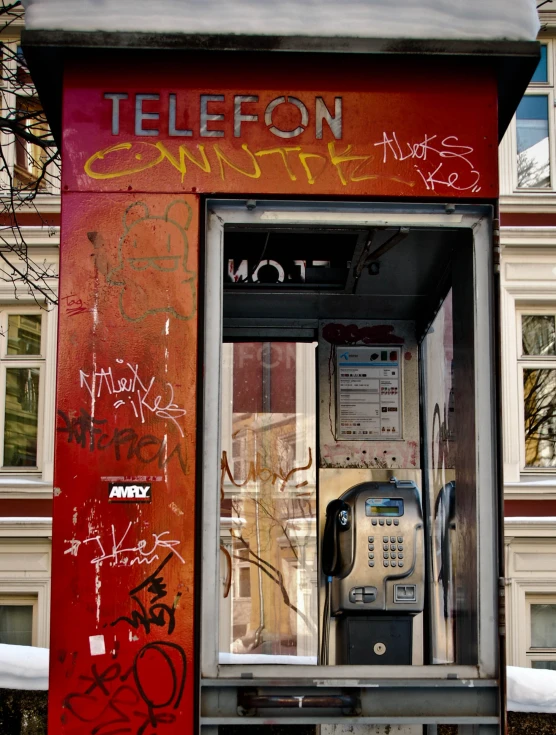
(348, 494)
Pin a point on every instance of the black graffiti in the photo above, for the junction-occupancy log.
(158, 613)
(94, 434)
(156, 681)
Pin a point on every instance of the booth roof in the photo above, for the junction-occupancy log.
(516, 20)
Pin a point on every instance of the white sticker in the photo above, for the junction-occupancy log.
(96, 644)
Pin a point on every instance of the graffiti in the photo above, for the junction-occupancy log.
(265, 474)
(127, 384)
(73, 305)
(431, 147)
(152, 272)
(94, 434)
(115, 701)
(350, 165)
(158, 613)
(349, 334)
(120, 556)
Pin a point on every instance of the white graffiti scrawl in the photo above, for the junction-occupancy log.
(124, 383)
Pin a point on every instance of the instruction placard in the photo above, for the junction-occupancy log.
(368, 395)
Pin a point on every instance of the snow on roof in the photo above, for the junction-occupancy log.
(415, 19)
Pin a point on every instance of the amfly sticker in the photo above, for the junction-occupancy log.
(127, 492)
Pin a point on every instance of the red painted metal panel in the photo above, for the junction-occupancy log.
(122, 648)
(418, 128)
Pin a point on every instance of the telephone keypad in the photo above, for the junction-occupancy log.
(393, 547)
(386, 564)
(400, 556)
(392, 556)
(400, 539)
(392, 539)
(400, 563)
(386, 555)
(400, 547)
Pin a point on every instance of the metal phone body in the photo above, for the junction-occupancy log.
(381, 550)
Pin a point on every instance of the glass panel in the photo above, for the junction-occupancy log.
(24, 334)
(438, 356)
(21, 417)
(543, 626)
(268, 504)
(541, 72)
(16, 624)
(533, 157)
(544, 665)
(539, 398)
(538, 334)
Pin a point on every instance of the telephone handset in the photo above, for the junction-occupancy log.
(373, 547)
(338, 522)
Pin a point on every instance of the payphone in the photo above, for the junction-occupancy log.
(373, 559)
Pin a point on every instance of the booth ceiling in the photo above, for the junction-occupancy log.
(405, 19)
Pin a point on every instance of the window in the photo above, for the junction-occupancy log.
(532, 137)
(29, 156)
(541, 650)
(21, 377)
(18, 620)
(537, 365)
(533, 153)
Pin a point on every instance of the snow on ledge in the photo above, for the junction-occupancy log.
(23, 667)
(416, 19)
(531, 690)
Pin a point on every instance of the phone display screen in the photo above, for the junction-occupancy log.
(384, 507)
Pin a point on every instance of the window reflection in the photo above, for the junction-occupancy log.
(533, 156)
(538, 334)
(268, 504)
(539, 398)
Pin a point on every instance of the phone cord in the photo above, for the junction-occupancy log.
(325, 642)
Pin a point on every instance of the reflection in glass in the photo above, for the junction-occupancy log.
(538, 334)
(533, 157)
(438, 357)
(21, 417)
(543, 626)
(268, 503)
(541, 72)
(539, 399)
(16, 624)
(24, 334)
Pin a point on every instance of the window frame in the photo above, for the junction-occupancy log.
(221, 213)
(532, 362)
(535, 653)
(20, 361)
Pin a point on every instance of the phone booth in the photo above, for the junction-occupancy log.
(278, 496)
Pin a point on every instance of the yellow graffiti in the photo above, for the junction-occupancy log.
(222, 159)
(346, 164)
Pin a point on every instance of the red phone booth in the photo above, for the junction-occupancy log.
(287, 261)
